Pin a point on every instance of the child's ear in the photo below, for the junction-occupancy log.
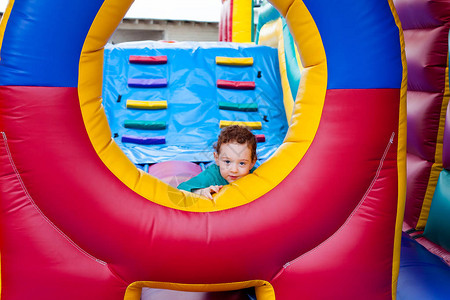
(216, 157)
(253, 163)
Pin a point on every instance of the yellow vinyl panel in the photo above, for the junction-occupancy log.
(137, 104)
(242, 21)
(437, 167)
(401, 161)
(234, 61)
(252, 125)
(263, 289)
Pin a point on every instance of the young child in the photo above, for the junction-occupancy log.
(235, 157)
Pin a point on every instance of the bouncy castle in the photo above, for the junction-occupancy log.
(320, 218)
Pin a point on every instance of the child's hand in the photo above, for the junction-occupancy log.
(207, 192)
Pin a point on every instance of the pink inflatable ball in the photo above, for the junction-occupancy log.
(174, 172)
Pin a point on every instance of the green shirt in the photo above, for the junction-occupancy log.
(210, 176)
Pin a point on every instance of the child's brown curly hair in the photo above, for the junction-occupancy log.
(237, 134)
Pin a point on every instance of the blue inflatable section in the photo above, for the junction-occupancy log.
(56, 62)
(423, 275)
(437, 229)
(347, 56)
(192, 114)
(292, 69)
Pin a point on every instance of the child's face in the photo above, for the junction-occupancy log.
(234, 161)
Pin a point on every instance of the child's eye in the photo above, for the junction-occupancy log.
(242, 163)
(227, 161)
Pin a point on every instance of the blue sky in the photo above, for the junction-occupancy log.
(191, 10)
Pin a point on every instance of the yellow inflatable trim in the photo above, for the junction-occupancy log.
(242, 21)
(234, 61)
(252, 125)
(263, 289)
(437, 166)
(401, 161)
(137, 104)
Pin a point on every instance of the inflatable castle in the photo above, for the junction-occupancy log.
(320, 218)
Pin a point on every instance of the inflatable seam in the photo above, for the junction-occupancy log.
(116, 275)
(289, 8)
(19, 178)
(369, 189)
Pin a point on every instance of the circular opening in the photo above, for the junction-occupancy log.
(282, 159)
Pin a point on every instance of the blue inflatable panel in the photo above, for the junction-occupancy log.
(437, 228)
(357, 49)
(423, 275)
(267, 13)
(192, 115)
(292, 69)
(56, 61)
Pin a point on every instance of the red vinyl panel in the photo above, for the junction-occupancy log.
(143, 241)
